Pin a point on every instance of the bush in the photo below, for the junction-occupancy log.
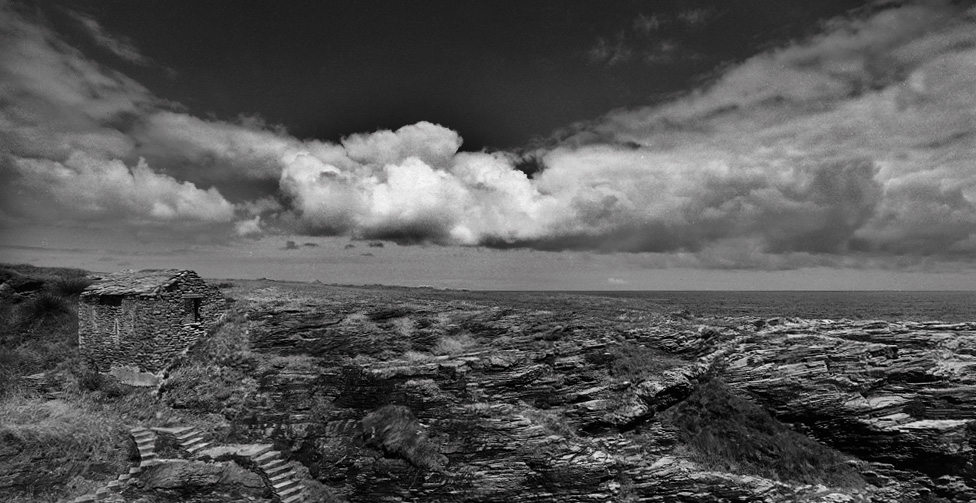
(69, 286)
(728, 433)
(394, 430)
(88, 378)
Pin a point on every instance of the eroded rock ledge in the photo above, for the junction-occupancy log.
(571, 403)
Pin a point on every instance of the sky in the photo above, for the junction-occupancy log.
(771, 145)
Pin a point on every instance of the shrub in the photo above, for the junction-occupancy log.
(88, 378)
(71, 286)
(728, 433)
(394, 430)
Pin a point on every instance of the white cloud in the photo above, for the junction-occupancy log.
(248, 227)
(62, 159)
(852, 147)
(860, 140)
(86, 188)
(220, 148)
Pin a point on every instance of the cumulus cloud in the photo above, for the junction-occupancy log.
(855, 143)
(860, 140)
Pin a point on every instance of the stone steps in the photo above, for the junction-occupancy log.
(284, 481)
(191, 440)
(146, 444)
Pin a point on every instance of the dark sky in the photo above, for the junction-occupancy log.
(500, 73)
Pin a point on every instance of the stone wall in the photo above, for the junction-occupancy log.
(147, 330)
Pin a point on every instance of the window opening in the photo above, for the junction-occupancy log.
(110, 300)
(192, 307)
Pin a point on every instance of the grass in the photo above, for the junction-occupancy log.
(725, 432)
(56, 440)
(70, 286)
(41, 306)
(37, 334)
(634, 362)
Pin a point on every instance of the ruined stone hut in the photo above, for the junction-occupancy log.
(144, 319)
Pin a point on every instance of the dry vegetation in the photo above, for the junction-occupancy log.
(725, 432)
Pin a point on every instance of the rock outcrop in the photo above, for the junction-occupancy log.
(563, 399)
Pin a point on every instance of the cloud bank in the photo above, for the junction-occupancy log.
(855, 147)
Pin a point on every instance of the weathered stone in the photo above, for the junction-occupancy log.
(189, 477)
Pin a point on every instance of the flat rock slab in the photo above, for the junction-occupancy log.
(176, 430)
(246, 450)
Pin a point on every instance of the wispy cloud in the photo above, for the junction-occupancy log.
(610, 53)
(664, 51)
(696, 18)
(645, 25)
(120, 46)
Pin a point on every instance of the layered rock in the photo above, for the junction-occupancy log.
(527, 399)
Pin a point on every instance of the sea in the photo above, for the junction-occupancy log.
(948, 306)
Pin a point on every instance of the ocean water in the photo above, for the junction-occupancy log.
(951, 306)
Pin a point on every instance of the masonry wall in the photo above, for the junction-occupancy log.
(147, 331)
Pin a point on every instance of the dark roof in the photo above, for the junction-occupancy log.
(129, 282)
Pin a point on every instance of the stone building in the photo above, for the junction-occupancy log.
(144, 319)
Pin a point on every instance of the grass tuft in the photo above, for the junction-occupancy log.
(41, 306)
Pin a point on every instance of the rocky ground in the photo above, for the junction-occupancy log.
(395, 394)
(419, 395)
